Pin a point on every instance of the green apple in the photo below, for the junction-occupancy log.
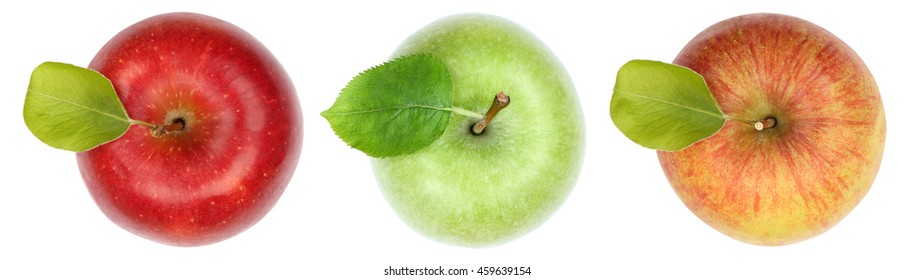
(482, 190)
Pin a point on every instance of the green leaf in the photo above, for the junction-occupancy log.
(73, 108)
(663, 106)
(396, 108)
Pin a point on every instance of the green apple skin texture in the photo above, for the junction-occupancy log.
(798, 179)
(483, 190)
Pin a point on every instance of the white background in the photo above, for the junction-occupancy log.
(622, 221)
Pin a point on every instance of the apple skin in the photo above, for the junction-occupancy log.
(237, 152)
(796, 180)
(483, 190)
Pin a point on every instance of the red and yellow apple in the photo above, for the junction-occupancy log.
(234, 131)
(799, 177)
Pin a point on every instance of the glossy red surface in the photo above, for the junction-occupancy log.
(239, 147)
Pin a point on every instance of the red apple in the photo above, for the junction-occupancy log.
(799, 177)
(234, 131)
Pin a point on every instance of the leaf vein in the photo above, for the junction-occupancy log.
(68, 102)
(719, 114)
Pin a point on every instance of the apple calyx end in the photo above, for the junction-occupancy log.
(498, 103)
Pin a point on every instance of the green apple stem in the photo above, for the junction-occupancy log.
(498, 103)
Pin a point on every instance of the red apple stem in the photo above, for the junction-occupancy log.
(158, 130)
(760, 125)
(498, 103)
(768, 122)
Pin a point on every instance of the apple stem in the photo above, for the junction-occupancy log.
(768, 122)
(498, 103)
(760, 125)
(157, 130)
